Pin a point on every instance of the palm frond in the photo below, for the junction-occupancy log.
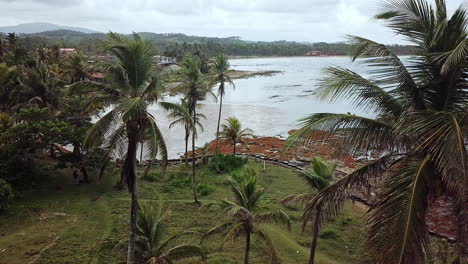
(274, 217)
(342, 83)
(362, 134)
(96, 134)
(186, 251)
(399, 210)
(155, 143)
(332, 198)
(269, 248)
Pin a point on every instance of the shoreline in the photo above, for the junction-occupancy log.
(281, 57)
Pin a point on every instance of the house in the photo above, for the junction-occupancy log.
(315, 53)
(164, 60)
(67, 52)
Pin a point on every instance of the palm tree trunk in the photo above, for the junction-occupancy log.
(129, 175)
(315, 235)
(141, 154)
(194, 185)
(247, 247)
(187, 136)
(234, 141)
(219, 121)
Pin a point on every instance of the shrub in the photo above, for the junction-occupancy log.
(6, 194)
(180, 179)
(118, 186)
(226, 163)
(205, 188)
(328, 234)
(151, 177)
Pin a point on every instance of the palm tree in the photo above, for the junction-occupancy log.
(195, 85)
(184, 118)
(319, 176)
(153, 242)
(419, 130)
(220, 72)
(245, 221)
(233, 131)
(130, 88)
(76, 67)
(204, 151)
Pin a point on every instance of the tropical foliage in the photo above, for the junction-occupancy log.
(418, 130)
(233, 131)
(244, 219)
(319, 176)
(155, 245)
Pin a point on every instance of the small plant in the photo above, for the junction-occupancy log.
(345, 220)
(152, 177)
(226, 163)
(328, 234)
(180, 179)
(6, 194)
(205, 188)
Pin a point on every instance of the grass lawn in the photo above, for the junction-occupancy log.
(61, 223)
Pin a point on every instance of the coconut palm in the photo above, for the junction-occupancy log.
(195, 86)
(130, 88)
(419, 130)
(319, 176)
(220, 74)
(155, 244)
(76, 67)
(184, 118)
(233, 131)
(245, 221)
(204, 152)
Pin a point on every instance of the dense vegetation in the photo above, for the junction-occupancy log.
(178, 45)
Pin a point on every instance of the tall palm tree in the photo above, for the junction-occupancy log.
(195, 86)
(220, 73)
(130, 87)
(184, 118)
(419, 130)
(245, 221)
(76, 67)
(319, 176)
(233, 131)
(155, 245)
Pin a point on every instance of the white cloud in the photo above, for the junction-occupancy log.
(299, 20)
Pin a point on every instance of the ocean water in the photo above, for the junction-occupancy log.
(269, 105)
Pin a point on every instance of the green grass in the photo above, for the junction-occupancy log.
(97, 218)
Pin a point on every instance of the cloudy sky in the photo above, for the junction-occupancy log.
(297, 20)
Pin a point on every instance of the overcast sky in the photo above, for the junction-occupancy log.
(297, 20)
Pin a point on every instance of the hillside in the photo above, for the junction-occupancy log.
(29, 28)
(177, 44)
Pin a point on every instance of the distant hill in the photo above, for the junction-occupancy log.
(178, 45)
(30, 28)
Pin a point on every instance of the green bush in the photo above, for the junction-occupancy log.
(328, 234)
(152, 177)
(226, 163)
(180, 179)
(205, 188)
(6, 194)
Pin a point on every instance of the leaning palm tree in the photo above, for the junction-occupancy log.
(419, 131)
(185, 119)
(233, 131)
(220, 74)
(319, 176)
(245, 221)
(155, 245)
(195, 86)
(130, 88)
